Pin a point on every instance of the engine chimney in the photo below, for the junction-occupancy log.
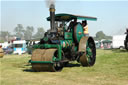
(52, 18)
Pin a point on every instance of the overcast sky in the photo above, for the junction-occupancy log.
(112, 15)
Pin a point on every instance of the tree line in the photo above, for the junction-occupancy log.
(27, 33)
(100, 35)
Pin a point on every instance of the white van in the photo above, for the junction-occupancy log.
(118, 41)
(19, 47)
(5, 45)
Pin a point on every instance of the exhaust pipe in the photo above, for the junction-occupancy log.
(52, 18)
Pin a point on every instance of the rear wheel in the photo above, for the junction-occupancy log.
(121, 47)
(88, 51)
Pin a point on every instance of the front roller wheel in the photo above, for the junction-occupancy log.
(87, 50)
(45, 56)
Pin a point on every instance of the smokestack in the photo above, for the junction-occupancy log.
(52, 17)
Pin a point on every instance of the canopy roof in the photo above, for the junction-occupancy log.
(68, 17)
(107, 41)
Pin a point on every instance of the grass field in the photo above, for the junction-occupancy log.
(111, 68)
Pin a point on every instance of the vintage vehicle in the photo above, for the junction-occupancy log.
(1, 52)
(126, 40)
(63, 43)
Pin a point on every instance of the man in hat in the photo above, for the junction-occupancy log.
(85, 27)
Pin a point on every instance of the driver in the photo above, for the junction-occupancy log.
(85, 27)
(60, 29)
(73, 23)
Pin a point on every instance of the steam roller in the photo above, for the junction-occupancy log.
(64, 42)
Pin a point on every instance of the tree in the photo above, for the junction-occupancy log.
(100, 35)
(40, 33)
(28, 33)
(19, 31)
(4, 36)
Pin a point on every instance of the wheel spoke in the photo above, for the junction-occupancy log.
(89, 52)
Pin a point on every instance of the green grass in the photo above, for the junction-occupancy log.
(111, 68)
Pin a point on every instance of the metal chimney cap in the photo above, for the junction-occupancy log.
(52, 6)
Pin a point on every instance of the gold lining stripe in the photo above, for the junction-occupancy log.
(52, 10)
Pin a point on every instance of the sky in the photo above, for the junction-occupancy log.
(112, 16)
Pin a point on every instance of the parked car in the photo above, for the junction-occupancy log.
(8, 50)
